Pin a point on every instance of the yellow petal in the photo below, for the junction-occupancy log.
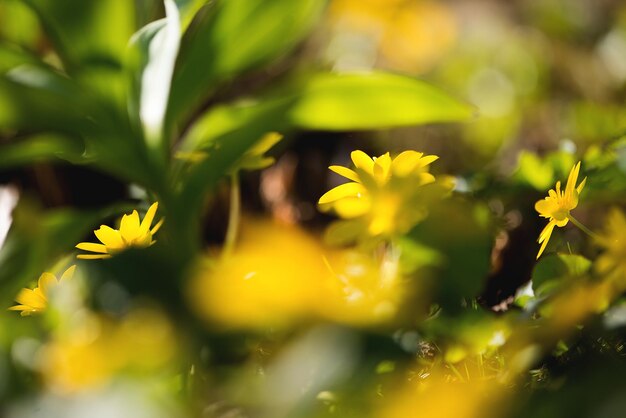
(345, 172)
(157, 227)
(382, 166)
(427, 160)
(93, 256)
(546, 231)
(544, 237)
(110, 237)
(129, 227)
(581, 185)
(20, 308)
(405, 162)
(46, 282)
(352, 207)
(341, 191)
(147, 220)
(561, 223)
(31, 298)
(92, 246)
(545, 207)
(426, 178)
(571, 179)
(363, 161)
(68, 274)
(265, 143)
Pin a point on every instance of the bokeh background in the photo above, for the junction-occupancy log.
(545, 79)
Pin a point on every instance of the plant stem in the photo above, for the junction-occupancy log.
(456, 371)
(583, 228)
(234, 214)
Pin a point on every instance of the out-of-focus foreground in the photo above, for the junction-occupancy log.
(278, 208)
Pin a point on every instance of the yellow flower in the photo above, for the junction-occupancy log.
(132, 233)
(97, 349)
(386, 194)
(274, 274)
(254, 158)
(613, 241)
(558, 204)
(34, 301)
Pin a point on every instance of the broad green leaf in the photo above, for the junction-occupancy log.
(223, 119)
(158, 44)
(535, 172)
(234, 36)
(335, 102)
(12, 56)
(90, 38)
(88, 32)
(371, 101)
(551, 271)
(34, 99)
(227, 150)
(188, 10)
(20, 25)
(41, 148)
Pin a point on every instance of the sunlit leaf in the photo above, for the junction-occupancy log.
(88, 32)
(372, 101)
(188, 10)
(41, 148)
(234, 36)
(335, 102)
(552, 270)
(158, 44)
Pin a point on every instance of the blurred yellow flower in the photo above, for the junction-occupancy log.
(97, 349)
(271, 278)
(132, 233)
(33, 301)
(361, 290)
(558, 204)
(409, 35)
(386, 194)
(278, 275)
(613, 241)
(438, 394)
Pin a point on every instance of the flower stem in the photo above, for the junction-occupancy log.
(583, 227)
(234, 214)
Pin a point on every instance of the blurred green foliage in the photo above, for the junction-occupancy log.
(167, 98)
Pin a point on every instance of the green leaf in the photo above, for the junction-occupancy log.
(188, 10)
(88, 32)
(41, 148)
(12, 56)
(462, 268)
(334, 102)
(201, 178)
(533, 171)
(551, 271)
(371, 101)
(234, 36)
(20, 25)
(157, 45)
(34, 99)
(223, 119)
(91, 38)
